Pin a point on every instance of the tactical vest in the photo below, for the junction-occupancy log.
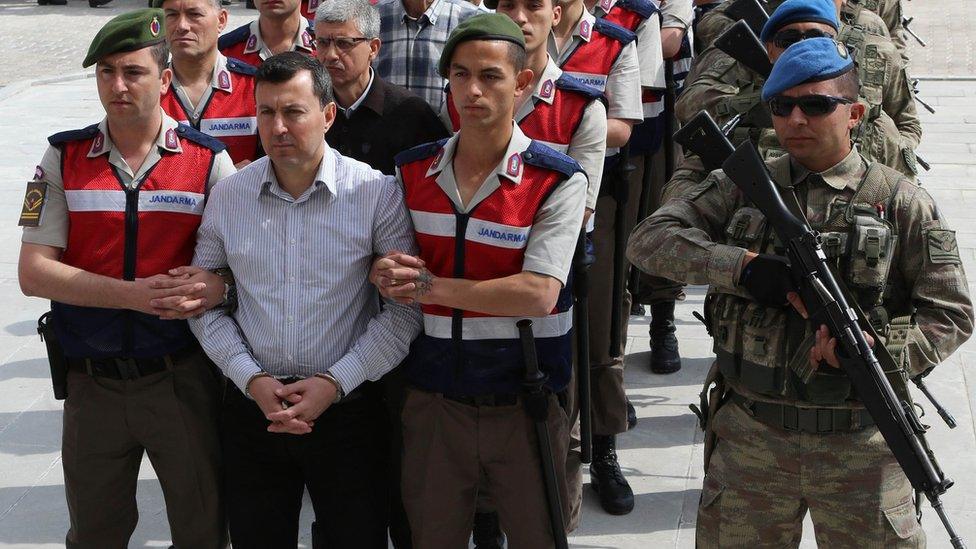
(591, 62)
(765, 350)
(468, 353)
(126, 234)
(552, 124)
(233, 43)
(229, 117)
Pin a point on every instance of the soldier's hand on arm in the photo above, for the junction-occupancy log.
(393, 274)
(191, 291)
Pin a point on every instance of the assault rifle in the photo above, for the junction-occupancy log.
(740, 43)
(827, 303)
(750, 11)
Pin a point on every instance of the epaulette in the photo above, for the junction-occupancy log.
(236, 36)
(571, 83)
(614, 31)
(542, 156)
(644, 8)
(419, 152)
(200, 138)
(73, 135)
(240, 67)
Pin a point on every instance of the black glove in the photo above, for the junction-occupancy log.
(768, 278)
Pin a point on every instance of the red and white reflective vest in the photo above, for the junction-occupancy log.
(128, 233)
(241, 44)
(591, 62)
(469, 353)
(552, 124)
(230, 116)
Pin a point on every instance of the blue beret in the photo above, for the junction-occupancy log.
(800, 11)
(810, 60)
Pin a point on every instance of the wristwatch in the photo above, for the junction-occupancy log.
(332, 379)
(230, 288)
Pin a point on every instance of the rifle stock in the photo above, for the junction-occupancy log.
(740, 43)
(750, 11)
(826, 304)
(704, 138)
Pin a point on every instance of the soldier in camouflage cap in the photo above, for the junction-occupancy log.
(784, 434)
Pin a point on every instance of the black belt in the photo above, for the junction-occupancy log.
(805, 420)
(129, 368)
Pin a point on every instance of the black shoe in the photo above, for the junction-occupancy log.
(487, 534)
(631, 416)
(96, 3)
(616, 497)
(637, 309)
(665, 358)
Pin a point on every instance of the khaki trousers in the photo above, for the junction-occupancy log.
(761, 482)
(108, 424)
(449, 448)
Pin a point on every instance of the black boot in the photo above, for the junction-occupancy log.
(487, 534)
(631, 416)
(96, 3)
(616, 497)
(664, 346)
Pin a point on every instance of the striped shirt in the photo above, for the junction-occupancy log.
(412, 47)
(305, 305)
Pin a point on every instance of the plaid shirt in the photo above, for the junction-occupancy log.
(412, 47)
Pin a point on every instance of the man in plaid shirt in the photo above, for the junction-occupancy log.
(413, 33)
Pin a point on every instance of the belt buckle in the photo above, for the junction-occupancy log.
(128, 368)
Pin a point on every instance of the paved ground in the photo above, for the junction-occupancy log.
(662, 456)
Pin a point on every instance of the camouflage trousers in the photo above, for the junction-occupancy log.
(761, 482)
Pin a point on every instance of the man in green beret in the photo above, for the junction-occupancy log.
(110, 224)
(497, 217)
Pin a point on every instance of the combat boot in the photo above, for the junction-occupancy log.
(664, 345)
(96, 3)
(631, 416)
(616, 497)
(487, 533)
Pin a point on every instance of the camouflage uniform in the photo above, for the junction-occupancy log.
(888, 11)
(788, 438)
(889, 133)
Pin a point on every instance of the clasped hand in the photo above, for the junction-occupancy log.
(292, 408)
(181, 293)
(401, 277)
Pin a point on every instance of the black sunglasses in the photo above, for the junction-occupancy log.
(788, 37)
(811, 105)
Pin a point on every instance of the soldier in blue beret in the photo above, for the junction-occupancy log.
(785, 434)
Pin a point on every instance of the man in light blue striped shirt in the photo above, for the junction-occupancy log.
(299, 229)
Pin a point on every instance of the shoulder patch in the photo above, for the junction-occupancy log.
(644, 8)
(240, 67)
(419, 152)
(571, 83)
(200, 138)
(233, 37)
(542, 156)
(615, 31)
(942, 247)
(73, 135)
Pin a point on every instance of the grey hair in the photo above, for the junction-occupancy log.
(361, 11)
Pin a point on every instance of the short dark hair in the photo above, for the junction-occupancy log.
(284, 66)
(160, 54)
(849, 84)
(517, 56)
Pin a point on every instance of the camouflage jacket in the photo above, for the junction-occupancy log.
(700, 236)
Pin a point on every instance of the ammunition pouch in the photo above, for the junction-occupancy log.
(55, 356)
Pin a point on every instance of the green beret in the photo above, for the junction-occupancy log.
(483, 26)
(129, 31)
